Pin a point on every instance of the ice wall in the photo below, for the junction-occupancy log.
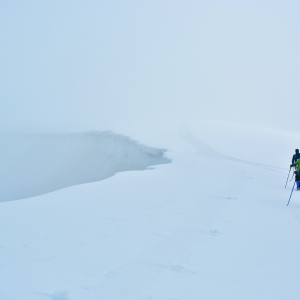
(39, 163)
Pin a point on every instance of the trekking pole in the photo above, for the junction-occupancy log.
(292, 177)
(291, 194)
(287, 178)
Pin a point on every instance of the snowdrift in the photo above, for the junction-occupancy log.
(35, 164)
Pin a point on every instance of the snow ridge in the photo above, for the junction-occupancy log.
(35, 164)
(209, 152)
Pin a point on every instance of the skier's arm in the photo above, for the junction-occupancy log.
(297, 162)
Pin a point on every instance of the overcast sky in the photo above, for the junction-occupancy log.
(80, 65)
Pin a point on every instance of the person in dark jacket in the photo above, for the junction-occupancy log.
(296, 156)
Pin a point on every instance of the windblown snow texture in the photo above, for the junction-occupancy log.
(36, 164)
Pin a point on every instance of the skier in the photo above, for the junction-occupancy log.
(296, 156)
(296, 164)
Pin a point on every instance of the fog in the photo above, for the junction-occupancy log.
(114, 65)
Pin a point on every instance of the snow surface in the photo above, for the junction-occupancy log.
(213, 224)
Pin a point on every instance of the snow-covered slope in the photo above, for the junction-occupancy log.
(209, 225)
(39, 163)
